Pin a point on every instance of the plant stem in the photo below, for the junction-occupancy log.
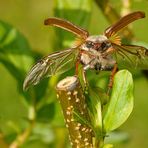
(22, 137)
(70, 95)
(20, 140)
(99, 143)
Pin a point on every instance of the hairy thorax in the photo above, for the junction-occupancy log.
(92, 56)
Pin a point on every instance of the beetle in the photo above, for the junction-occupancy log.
(96, 52)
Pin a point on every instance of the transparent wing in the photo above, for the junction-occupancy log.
(131, 56)
(111, 31)
(52, 64)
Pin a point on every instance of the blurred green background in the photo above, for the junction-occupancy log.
(19, 50)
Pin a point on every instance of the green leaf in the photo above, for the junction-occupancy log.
(101, 94)
(121, 101)
(15, 52)
(42, 132)
(10, 137)
(95, 111)
(117, 137)
(46, 113)
(17, 57)
(108, 146)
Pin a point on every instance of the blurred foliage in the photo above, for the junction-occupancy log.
(20, 110)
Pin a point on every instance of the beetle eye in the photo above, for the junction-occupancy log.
(89, 44)
(103, 45)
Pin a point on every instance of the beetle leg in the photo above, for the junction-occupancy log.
(77, 67)
(83, 71)
(114, 70)
(84, 77)
(84, 80)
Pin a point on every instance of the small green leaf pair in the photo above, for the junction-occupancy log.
(106, 118)
(121, 101)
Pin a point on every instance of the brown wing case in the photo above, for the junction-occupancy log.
(67, 26)
(123, 22)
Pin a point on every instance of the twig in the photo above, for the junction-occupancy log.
(70, 95)
(22, 138)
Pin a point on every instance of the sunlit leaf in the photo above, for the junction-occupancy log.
(11, 36)
(42, 132)
(121, 101)
(17, 57)
(107, 146)
(15, 52)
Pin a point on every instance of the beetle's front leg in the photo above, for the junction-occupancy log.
(77, 67)
(84, 77)
(83, 72)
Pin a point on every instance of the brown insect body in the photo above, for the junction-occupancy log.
(93, 52)
(94, 56)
